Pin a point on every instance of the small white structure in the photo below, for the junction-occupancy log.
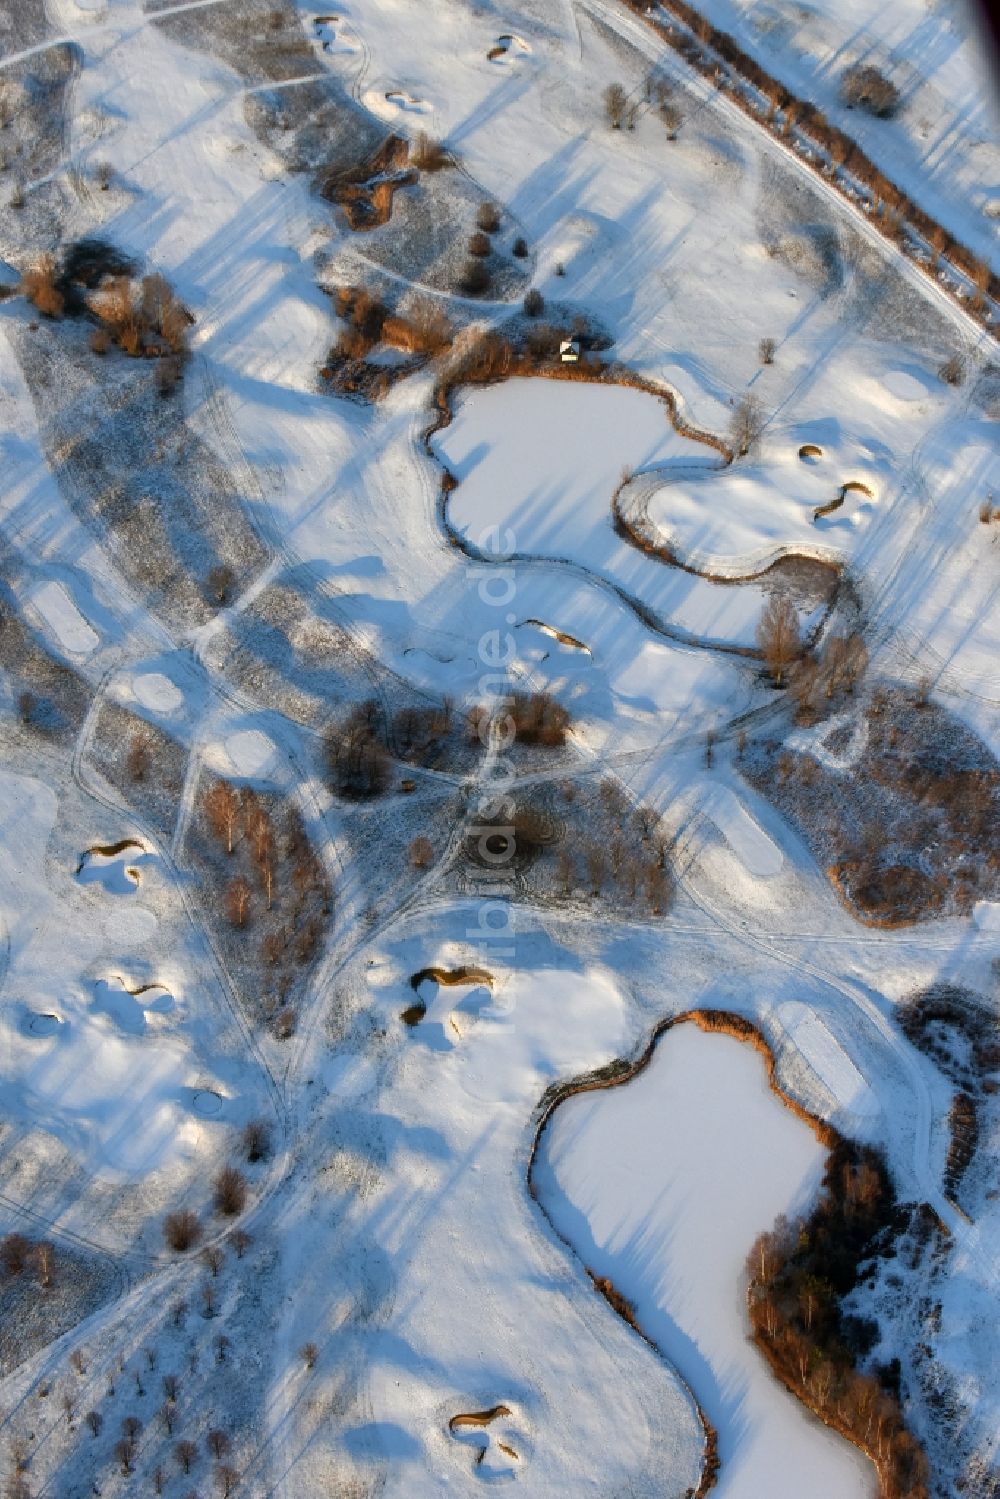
(569, 350)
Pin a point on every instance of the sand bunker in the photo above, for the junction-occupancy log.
(64, 619)
(407, 102)
(206, 1103)
(131, 1009)
(156, 692)
(41, 1024)
(560, 635)
(508, 48)
(334, 36)
(441, 1020)
(492, 1438)
(114, 865)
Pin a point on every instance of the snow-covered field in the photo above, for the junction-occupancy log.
(195, 584)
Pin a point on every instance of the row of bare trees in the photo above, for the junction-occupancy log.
(798, 1276)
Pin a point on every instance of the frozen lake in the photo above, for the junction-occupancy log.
(540, 459)
(662, 1184)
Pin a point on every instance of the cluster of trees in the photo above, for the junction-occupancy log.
(280, 883)
(836, 669)
(356, 754)
(423, 332)
(142, 319)
(534, 718)
(20, 1255)
(183, 1229)
(893, 208)
(475, 279)
(633, 875)
(798, 1276)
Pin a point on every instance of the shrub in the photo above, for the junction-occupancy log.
(952, 372)
(220, 583)
(534, 303)
(615, 105)
(520, 248)
(230, 1192)
(479, 244)
(766, 350)
(182, 1230)
(309, 1353)
(256, 1140)
(488, 218)
(100, 340)
(429, 155)
(863, 86)
(421, 853)
(140, 757)
(40, 285)
(672, 119)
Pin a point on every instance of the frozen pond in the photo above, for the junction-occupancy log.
(540, 459)
(662, 1184)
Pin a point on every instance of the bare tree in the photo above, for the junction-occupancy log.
(778, 636)
(95, 1421)
(596, 868)
(230, 1192)
(766, 350)
(241, 1242)
(125, 1453)
(309, 1353)
(746, 425)
(208, 1300)
(168, 1415)
(615, 105)
(44, 1257)
(226, 1479)
(218, 1443)
(222, 808)
(238, 893)
(214, 1257)
(171, 1387)
(187, 1454)
(140, 757)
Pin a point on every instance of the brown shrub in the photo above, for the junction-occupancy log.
(421, 853)
(865, 87)
(182, 1230)
(475, 278)
(488, 218)
(479, 244)
(40, 286)
(230, 1192)
(256, 1140)
(140, 757)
